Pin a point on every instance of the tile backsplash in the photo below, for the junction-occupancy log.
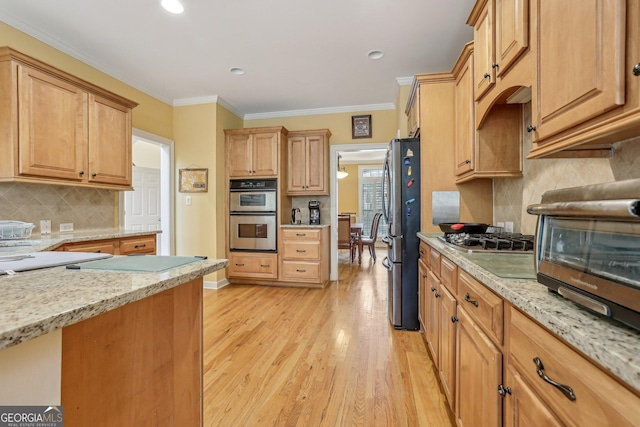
(302, 203)
(86, 208)
(511, 196)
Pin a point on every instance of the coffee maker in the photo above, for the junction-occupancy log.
(314, 212)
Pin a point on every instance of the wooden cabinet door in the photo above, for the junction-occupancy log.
(265, 154)
(522, 407)
(581, 57)
(431, 327)
(448, 326)
(479, 373)
(465, 121)
(422, 292)
(512, 32)
(104, 247)
(316, 163)
(52, 126)
(484, 52)
(109, 142)
(239, 152)
(296, 178)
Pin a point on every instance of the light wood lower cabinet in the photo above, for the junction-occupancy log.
(522, 407)
(305, 255)
(431, 332)
(422, 293)
(117, 246)
(447, 357)
(251, 265)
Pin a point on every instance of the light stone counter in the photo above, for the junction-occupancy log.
(614, 346)
(40, 301)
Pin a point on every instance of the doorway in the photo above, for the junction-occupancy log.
(149, 206)
(335, 150)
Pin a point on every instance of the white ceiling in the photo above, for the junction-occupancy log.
(298, 54)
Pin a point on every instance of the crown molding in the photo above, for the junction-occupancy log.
(214, 99)
(318, 111)
(405, 81)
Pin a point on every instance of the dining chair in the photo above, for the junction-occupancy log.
(345, 241)
(371, 240)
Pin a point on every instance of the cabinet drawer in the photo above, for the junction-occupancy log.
(263, 266)
(434, 262)
(449, 274)
(424, 252)
(301, 250)
(139, 245)
(483, 306)
(306, 234)
(104, 247)
(301, 270)
(600, 400)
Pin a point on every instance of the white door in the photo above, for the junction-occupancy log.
(142, 206)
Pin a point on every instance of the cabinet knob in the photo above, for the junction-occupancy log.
(93, 175)
(438, 295)
(433, 289)
(495, 65)
(467, 161)
(454, 319)
(487, 75)
(81, 173)
(636, 70)
(531, 128)
(503, 391)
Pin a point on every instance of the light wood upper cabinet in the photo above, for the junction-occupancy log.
(512, 33)
(254, 152)
(580, 62)
(61, 129)
(413, 110)
(483, 38)
(465, 130)
(307, 163)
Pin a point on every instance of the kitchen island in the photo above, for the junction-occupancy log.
(112, 347)
(612, 345)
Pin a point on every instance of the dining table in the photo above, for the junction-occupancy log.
(356, 228)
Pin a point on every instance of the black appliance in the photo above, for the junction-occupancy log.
(401, 209)
(314, 212)
(588, 247)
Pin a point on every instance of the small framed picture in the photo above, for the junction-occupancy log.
(194, 180)
(361, 126)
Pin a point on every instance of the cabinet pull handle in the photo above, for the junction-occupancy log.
(636, 70)
(301, 271)
(467, 298)
(454, 319)
(531, 128)
(495, 65)
(239, 265)
(264, 265)
(81, 173)
(97, 252)
(503, 391)
(301, 234)
(565, 389)
(301, 251)
(424, 276)
(140, 246)
(487, 75)
(433, 289)
(421, 252)
(438, 295)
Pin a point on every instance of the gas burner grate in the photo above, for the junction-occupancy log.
(492, 242)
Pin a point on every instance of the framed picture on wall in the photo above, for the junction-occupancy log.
(194, 180)
(361, 126)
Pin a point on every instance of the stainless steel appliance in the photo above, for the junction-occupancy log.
(401, 209)
(252, 215)
(314, 212)
(588, 247)
(295, 216)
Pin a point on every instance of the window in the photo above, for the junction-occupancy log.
(370, 187)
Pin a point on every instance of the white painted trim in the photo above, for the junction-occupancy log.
(208, 284)
(405, 81)
(333, 182)
(316, 111)
(198, 100)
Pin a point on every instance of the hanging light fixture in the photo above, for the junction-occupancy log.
(342, 172)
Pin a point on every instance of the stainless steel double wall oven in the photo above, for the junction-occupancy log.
(252, 215)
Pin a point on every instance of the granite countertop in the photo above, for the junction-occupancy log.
(305, 225)
(50, 242)
(611, 344)
(40, 301)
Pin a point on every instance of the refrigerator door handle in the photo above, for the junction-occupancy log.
(386, 264)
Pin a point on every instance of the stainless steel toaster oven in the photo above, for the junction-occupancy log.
(588, 247)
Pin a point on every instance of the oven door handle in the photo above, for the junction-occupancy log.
(252, 213)
(627, 208)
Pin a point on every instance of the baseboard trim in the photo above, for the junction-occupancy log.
(208, 284)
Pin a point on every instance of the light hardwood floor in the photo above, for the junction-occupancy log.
(277, 356)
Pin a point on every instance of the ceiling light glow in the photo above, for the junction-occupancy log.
(173, 6)
(237, 71)
(375, 54)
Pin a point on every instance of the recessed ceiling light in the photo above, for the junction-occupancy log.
(375, 54)
(173, 6)
(237, 71)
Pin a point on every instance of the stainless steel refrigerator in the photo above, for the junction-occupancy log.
(401, 208)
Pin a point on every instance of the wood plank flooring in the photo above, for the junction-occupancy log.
(276, 356)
